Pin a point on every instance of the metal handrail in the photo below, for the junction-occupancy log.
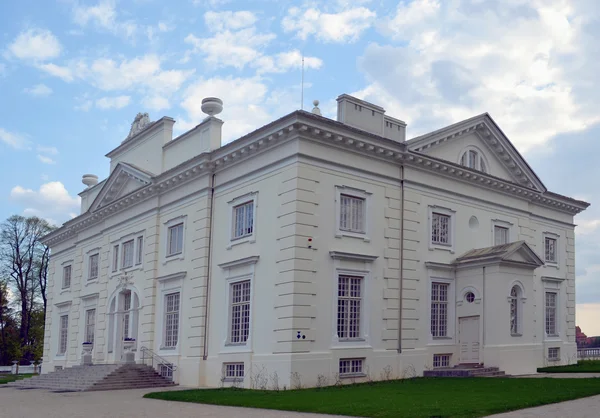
(152, 356)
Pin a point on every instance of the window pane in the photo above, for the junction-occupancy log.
(66, 277)
(171, 320)
(550, 250)
(90, 324)
(140, 249)
(440, 228)
(240, 312)
(349, 307)
(352, 213)
(551, 308)
(500, 235)
(439, 309)
(115, 258)
(64, 334)
(243, 220)
(175, 240)
(127, 260)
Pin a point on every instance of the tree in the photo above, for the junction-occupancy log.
(24, 265)
(9, 341)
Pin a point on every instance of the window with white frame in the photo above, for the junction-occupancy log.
(440, 228)
(126, 314)
(550, 253)
(175, 239)
(66, 281)
(500, 235)
(239, 327)
(171, 320)
(515, 310)
(349, 307)
(439, 309)
(115, 264)
(352, 213)
(233, 370)
(441, 360)
(127, 254)
(93, 266)
(474, 160)
(551, 307)
(243, 220)
(63, 334)
(140, 250)
(351, 366)
(90, 325)
(166, 370)
(553, 353)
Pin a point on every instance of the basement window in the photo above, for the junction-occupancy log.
(441, 360)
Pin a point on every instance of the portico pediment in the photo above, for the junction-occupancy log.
(516, 253)
(124, 179)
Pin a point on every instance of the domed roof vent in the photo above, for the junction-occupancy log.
(212, 106)
(89, 180)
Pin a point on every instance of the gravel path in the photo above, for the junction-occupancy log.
(39, 403)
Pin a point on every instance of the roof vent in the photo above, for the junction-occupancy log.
(89, 180)
(316, 109)
(212, 106)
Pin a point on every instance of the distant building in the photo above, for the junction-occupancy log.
(318, 247)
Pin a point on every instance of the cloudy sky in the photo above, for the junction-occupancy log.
(73, 74)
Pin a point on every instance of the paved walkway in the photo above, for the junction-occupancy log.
(39, 403)
(579, 408)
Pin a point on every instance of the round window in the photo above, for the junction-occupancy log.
(470, 296)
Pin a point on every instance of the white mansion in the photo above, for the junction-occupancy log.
(315, 247)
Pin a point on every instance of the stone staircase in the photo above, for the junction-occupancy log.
(96, 377)
(465, 370)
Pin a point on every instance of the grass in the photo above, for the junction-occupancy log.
(4, 379)
(421, 397)
(582, 366)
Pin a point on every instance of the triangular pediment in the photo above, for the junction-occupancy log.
(482, 135)
(518, 252)
(124, 180)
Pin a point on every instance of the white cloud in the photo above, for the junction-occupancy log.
(35, 44)
(13, 139)
(45, 159)
(219, 21)
(117, 102)
(104, 15)
(85, 105)
(39, 90)
(156, 103)
(47, 150)
(51, 201)
(344, 26)
(286, 61)
(64, 73)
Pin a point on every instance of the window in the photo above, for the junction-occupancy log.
(240, 312)
(127, 260)
(474, 160)
(500, 235)
(550, 250)
(470, 297)
(140, 250)
(233, 370)
(90, 324)
(93, 273)
(63, 334)
(171, 320)
(243, 220)
(175, 240)
(551, 306)
(115, 265)
(352, 213)
(166, 370)
(351, 366)
(440, 228)
(126, 314)
(441, 360)
(515, 310)
(439, 309)
(553, 353)
(349, 307)
(66, 283)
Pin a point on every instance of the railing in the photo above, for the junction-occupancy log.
(588, 353)
(160, 364)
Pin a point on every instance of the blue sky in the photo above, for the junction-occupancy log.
(73, 74)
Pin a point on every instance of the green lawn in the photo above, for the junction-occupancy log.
(582, 366)
(421, 397)
(12, 377)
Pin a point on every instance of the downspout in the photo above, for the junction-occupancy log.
(209, 271)
(401, 258)
(484, 316)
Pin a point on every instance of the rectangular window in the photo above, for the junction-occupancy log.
(115, 265)
(63, 334)
(349, 307)
(243, 220)
(93, 274)
(553, 353)
(551, 306)
(127, 260)
(441, 360)
(500, 235)
(140, 250)
(439, 309)
(240, 312)
(175, 240)
(440, 229)
(352, 214)
(171, 320)
(166, 370)
(351, 366)
(66, 283)
(126, 314)
(234, 370)
(90, 325)
(550, 249)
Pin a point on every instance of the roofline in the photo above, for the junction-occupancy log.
(129, 141)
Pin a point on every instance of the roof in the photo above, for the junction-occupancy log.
(499, 253)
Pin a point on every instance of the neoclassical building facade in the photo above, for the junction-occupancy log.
(314, 246)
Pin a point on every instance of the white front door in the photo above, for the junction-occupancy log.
(468, 337)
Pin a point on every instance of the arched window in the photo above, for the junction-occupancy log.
(472, 159)
(515, 310)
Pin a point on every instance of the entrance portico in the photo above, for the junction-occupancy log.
(123, 323)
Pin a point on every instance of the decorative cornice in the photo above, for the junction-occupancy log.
(240, 262)
(553, 279)
(173, 276)
(439, 266)
(90, 296)
(340, 255)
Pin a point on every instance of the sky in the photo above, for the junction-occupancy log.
(73, 75)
